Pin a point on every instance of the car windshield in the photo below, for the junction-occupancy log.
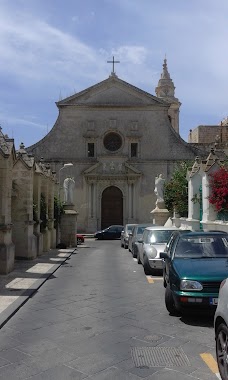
(158, 237)
(202, 247)
(140, 230)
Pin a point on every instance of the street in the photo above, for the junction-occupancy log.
(99, 317)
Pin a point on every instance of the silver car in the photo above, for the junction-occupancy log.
(125, 235)
(134, 236)
(153, 242)
(221, 330)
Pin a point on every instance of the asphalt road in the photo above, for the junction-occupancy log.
(99, 317)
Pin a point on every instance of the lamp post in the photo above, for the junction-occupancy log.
(69, 164)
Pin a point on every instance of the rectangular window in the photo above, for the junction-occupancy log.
(134, 149)
(90, 149)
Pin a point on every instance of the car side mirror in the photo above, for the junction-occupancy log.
(164, 255)
(130, 233)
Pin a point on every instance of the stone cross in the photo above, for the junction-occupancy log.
(113, 62)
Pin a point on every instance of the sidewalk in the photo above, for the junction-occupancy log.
(26, 278)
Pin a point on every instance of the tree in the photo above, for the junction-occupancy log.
(176, 190)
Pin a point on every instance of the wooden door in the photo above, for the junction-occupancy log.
(111, 207)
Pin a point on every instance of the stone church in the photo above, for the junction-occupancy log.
(118, 138)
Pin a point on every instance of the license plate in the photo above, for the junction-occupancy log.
(213, 301)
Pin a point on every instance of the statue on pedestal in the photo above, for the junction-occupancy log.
(68, 186)
(159, 188)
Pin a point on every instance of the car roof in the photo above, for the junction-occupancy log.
(205, 233)
(145, 225)
(162, 228)
(115, 225)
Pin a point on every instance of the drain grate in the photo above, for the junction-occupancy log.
(158, 357)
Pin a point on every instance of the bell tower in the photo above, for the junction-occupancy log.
(166, 91)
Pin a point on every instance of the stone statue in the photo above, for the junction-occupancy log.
(68, 186)
(159, 188)
(112, 166)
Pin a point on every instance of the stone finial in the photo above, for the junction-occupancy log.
(165, 73)
(21, 149)
(165, 87)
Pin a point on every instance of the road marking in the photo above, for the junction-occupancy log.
(211, 363)
(151, 279)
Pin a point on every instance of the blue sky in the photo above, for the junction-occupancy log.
(51, 49)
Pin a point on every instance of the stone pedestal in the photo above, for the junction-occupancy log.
(69, 226)
(160, 214)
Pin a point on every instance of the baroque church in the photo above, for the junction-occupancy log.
(118, 138)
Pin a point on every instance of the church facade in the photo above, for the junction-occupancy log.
(119, 138)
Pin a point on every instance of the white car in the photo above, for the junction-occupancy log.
(221, 330)
(153, 242)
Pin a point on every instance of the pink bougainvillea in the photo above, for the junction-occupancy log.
(219, 189)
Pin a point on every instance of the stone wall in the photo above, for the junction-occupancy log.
(22, 184)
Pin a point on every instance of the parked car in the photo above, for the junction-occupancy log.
(125, 235)
(134, 236)
(80, 239)
(195, 265)
(111, 232)
(153, 242)
(221, 330)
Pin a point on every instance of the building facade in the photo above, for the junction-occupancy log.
(118, 138)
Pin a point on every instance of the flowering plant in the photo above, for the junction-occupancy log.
(219, 189)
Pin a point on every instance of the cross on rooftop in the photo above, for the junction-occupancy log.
(113, 62)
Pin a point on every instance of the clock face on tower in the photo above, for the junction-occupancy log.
(112, 141)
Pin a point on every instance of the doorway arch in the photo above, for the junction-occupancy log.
(111, 207)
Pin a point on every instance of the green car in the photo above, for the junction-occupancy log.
(195, 263)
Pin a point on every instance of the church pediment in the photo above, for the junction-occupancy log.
(113, 169)
(112, 92)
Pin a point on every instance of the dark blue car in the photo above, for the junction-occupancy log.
(112, 232)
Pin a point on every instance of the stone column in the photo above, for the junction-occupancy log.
(36, 200)
(44, 229)
(209, 214)
(22, 207)
(7, 248)
(92, 219)
(131, 202)
(51, 229)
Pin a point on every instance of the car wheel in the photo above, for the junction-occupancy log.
(169, 301)
(125, 246)
(147, 269)
(79, 240)
(138, 258)
(134, 253)
(222, 350)
(164, 282)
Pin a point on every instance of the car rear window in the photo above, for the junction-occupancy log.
(200, 246)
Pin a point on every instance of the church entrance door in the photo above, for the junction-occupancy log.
(111, 207)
